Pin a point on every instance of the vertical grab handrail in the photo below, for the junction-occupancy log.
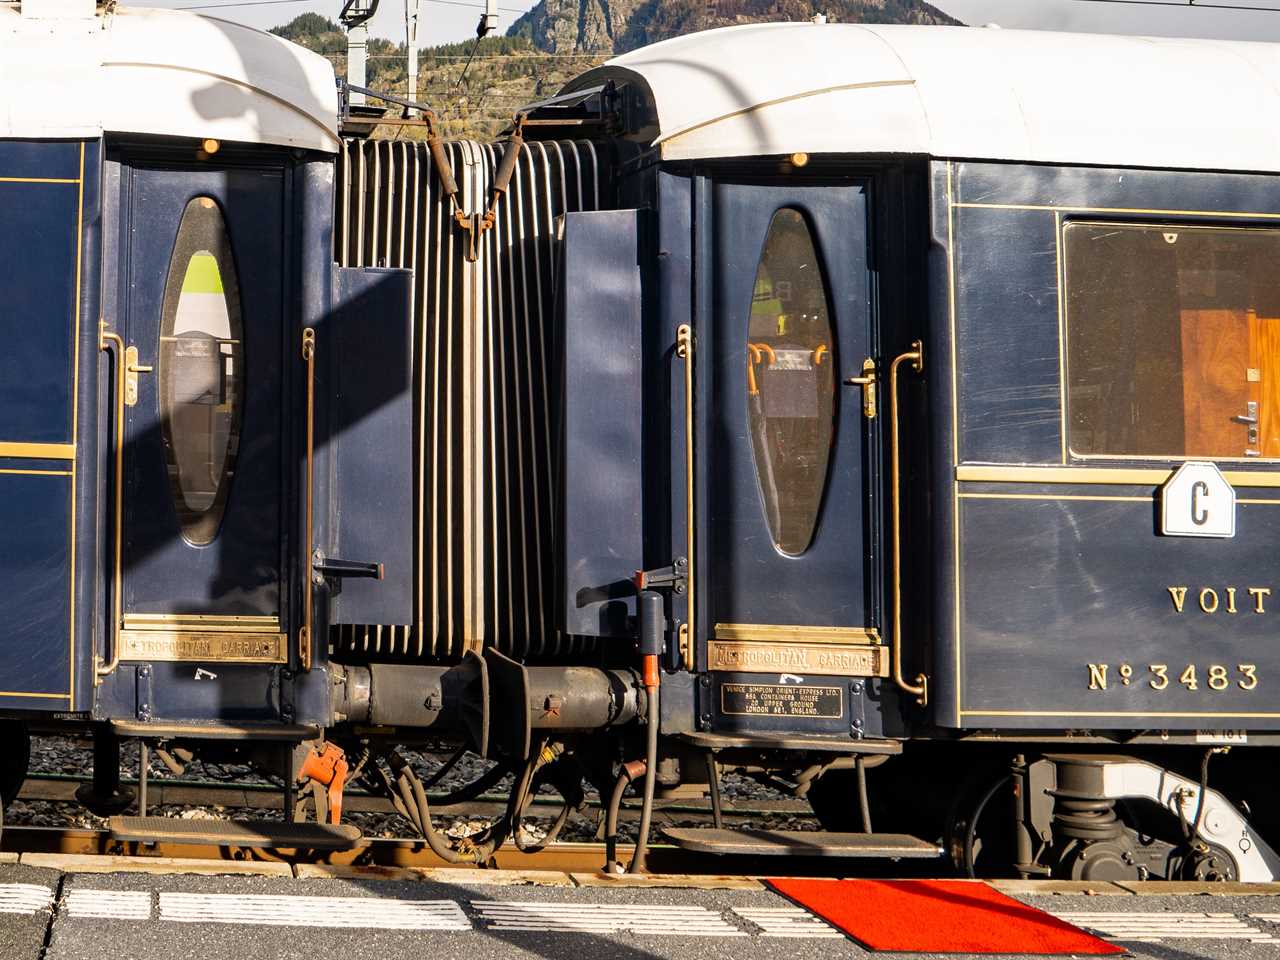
(304, 633)
(114, 343)
(921, 685)
(684, 350)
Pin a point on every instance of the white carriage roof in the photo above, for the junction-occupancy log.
(162, 72)
(961, 92)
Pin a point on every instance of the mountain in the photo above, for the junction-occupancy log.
(616, 26)
(475, 87)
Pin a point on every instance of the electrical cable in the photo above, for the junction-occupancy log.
(650, 781)
(971, 831)
(626, 775)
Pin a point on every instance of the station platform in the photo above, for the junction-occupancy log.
(102, 908)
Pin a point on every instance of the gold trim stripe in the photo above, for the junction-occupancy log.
(1119, 476)
(75, 424)
(1134, 210)
(38, 473)
(786, 633)
(1113, 713)
(37, 180)
(203, 623)
(41, 696)
(1049, 496)
(38, 451)
(955, 431)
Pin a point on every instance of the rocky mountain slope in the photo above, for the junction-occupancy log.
(615, 26)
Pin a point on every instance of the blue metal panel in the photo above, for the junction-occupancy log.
(48, 208)
(1046, 579)
(1007, 336)
(601, 441)
(41, 160)
(39, 209)
(1052, 585)
(35, 562)
(369, 343)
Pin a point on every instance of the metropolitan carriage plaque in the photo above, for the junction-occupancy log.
(823, 659)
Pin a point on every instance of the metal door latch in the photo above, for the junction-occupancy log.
(868, 384)
(673, 576)
(131, 370)
(1250, 419)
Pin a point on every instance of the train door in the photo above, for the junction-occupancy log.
(791, 454)
(202, 316)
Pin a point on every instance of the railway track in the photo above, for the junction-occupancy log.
(374, 853)
(393, 852)
(61, 788)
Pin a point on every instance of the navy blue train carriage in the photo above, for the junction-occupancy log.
(892, 420)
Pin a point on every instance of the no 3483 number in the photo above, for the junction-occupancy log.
(1159, 676)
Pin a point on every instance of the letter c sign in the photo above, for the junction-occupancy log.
(1199, 492)
(1197, 501)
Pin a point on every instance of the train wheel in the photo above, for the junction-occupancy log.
(15, 757)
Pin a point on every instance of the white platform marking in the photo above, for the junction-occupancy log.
(788, 922)
(24, 897)
(1157, 926)
(109, 904)
(604, 918)
(313, 911)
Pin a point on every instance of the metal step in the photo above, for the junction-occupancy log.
(237, 833)
(802, 843)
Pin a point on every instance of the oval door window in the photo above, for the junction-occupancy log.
(199, 370)
(790, 382)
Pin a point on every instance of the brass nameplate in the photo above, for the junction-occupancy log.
(781, 700)
(204, 646)
(788, 633)
(824, 659)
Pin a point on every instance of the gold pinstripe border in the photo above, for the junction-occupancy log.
(955, 428)
(38, 451)
(1189, 714)
(1113, 476)
(43, 179)
(60, 451)
(1134, 211)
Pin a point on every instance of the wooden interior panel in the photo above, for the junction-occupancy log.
(1264, 357)
(1216, 357)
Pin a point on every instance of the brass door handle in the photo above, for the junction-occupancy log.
(920, 688)
(113, 343)
(867, 382)
(131, 370)
(688, 630)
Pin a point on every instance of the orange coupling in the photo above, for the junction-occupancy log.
(328, 768)
(650, 671)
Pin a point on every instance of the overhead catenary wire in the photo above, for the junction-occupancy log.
(269, 3)
(1189, 5)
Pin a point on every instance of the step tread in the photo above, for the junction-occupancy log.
(248, 833)
(801, 843)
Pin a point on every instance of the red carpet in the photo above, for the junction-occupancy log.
(938, 916)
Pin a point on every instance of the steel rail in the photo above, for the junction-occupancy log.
(61, 788)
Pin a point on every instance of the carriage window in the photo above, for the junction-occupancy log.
(1173, 340)
(790, 382)
(199, 370)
